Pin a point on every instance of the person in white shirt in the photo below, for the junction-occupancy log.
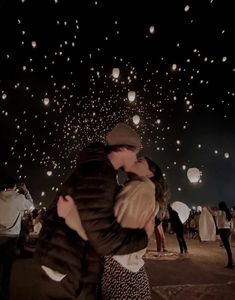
(225, 225)
(12, 206)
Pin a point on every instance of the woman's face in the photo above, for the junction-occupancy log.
(141, 168)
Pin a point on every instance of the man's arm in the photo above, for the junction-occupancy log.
(94, 200)
(28, 200)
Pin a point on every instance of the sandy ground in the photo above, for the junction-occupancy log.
(197, 275)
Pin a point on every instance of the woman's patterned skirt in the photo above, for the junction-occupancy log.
(118, 283)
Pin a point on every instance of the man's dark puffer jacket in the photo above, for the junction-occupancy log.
(93, 186)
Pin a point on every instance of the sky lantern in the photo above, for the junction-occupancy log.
(116, 72)
(152, 29)
(46, 101)
(187, 7)
(174, 67)
(4, 96)
(131, 96)
(34, 44)
(136, 119)
(49, 173)
(226, 155)
(193, 175)
(182, 209)
(199, 208)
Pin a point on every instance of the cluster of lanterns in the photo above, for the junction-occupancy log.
(131, 94)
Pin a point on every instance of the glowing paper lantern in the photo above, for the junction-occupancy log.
(116, 72)
(131, 96)
(46, 101)
(4, 96)
(224, 59)
(152, 29)
(226, 155)
(174, 67)
(136, 119)
(34, 44)
(193, 175)
(49, 173)
(199, 209)
(182, 209)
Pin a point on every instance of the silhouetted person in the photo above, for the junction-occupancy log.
(225, 224)
(178, 229)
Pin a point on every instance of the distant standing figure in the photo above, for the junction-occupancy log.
(160, 236)
(225, 225)
(178, 228)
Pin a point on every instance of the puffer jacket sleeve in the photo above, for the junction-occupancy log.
(94, 196)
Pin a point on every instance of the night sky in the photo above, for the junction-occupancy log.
(58, 92)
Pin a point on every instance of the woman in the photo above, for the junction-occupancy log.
(160, 236)
(141, 198)
(225, 224)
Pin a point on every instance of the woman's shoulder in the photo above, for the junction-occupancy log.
(141, 181)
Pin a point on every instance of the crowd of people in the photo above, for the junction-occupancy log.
(92, 237)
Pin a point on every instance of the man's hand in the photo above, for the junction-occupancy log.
(64, 206)
(149, 226)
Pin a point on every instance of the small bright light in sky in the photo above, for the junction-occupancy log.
(187, 7)
(46, 101)
(152, 29)
(224, 59)
(116, 72)
(42, 193)
(179, 189)
(49, 173)
(226, 155)
(131, 96)
(174, 67)
(34, 44)
(4, 96)
(184, 167)
(216, 152)
(136, 119)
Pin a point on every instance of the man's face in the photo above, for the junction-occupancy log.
(129, 158)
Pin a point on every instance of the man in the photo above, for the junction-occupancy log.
(70, 259)
(12, 206)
